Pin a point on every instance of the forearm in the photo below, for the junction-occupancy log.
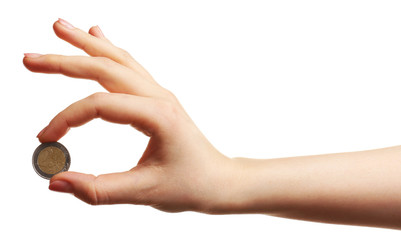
(360, 188)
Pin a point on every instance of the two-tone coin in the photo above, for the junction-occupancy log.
(50, 158)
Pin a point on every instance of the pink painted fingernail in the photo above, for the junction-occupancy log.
(32, 55)
(65, 23)
(100, 30)
(61, 186)
(41, 132)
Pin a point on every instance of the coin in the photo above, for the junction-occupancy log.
(50, 158)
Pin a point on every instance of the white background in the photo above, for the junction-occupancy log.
(261, 79)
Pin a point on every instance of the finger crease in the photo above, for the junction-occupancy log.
(100, 195)
(95, 194)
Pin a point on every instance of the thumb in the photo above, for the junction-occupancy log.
(125, 187)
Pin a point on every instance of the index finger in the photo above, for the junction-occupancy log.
(141, 112)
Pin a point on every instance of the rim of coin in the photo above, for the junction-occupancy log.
(43, 146)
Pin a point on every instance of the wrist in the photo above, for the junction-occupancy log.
(236, 187)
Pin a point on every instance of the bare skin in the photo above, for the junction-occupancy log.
(181, 171)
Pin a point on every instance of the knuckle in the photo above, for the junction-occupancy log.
(125, 54)
(99, 195)
(97, 97)
(164, 107)
(169, 113)
(90, 193)
(168, 95)
(97, 100)
(96, 195)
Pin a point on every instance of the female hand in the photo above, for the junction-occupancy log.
(179, 170)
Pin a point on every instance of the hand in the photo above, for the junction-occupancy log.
(179, 170)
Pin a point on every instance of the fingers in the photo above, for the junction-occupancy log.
(111, 75)
(96, 45)
(142, 113)
(97, 32)
(126, 187)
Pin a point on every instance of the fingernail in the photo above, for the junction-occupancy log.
(100, 30)
(61, 186)
(41, 132)
(65, 23)
(32, 55)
